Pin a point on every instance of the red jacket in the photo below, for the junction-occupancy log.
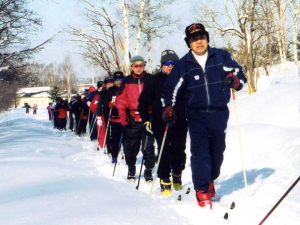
(94, 103)
(127, 100)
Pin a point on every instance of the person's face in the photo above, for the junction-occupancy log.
(167, 67)
(118, 83)
(138, 67)
(199, 45)
(109, 85)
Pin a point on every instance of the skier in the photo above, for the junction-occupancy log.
(74, 113)
(204, 76)
(107, 108)
(61, 109)
(49, 110)
(173, 156)
(134, 133)
(84, 112)
(92, 102)
(34, 108)
(27, 107)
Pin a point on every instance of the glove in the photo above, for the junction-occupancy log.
(99, 121)
(88, 103)
(148, 127)
(169, 116)
(112, 103)
(232, 81)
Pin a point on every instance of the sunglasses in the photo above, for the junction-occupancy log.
(138, 66)
(169, 63)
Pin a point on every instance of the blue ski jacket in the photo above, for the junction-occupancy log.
(202, 88)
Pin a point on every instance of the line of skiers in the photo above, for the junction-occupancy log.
(134, 111)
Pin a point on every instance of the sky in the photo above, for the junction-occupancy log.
(58, 15)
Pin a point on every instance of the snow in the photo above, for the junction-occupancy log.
(35, 91)
(51, 177)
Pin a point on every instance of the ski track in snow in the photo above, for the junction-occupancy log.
(52, 177)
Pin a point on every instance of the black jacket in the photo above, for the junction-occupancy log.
(150, 105)
(103, 105)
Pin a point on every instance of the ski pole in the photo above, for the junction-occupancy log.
(280, 200)
(159, 156)
(239, 139)
(94, 122)
(140, 174)
(107, 126)
(145, 146)
(113, 100)
(117, 156)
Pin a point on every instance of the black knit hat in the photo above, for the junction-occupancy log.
(108, 79)
(99, 83)
(168, 55)
(195, 30)
(118, 75)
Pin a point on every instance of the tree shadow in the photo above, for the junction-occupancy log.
(236, 182)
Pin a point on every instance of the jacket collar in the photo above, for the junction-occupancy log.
(138, 76)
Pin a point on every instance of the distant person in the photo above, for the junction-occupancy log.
(49, 109)
(61, 109)
(74, 113)
(107, 109)
(34, 107)
(27, 107)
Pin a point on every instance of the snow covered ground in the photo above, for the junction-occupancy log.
(50, 177)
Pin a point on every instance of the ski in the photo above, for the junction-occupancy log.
(227, 209)
(188, 190)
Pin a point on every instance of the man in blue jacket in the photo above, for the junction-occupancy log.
(204, 77)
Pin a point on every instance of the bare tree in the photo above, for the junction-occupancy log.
(294, 7)
(101, 43)
(152, 22)
(68, 77)
(16, 24)
(281, 19)
(124, 45)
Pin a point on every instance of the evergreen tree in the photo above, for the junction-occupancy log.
(54, 93)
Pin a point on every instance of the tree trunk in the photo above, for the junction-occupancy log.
(139, 27)
(281, 30)
(125, 10)
(295, 33)
(149, 35)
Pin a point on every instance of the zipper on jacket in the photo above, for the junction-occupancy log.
(207, 90)
(139, 84)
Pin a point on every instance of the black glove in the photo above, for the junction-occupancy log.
(169, 116)
(232, 81)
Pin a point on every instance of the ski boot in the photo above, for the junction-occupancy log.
(131, 173)
(148, 175)
(204, 199)
(177, 183)
(211, 189)
(165, 187)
